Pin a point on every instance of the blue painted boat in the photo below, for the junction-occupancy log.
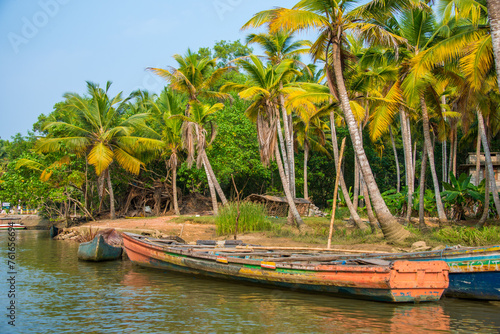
(474, 271)
(98, 250)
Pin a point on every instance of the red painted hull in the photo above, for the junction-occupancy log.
(400, 281)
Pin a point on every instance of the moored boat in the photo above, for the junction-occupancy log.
(98, 250)
(8, 223)
(53, 231)
(390, 281)
(474, 271)
(14, 226)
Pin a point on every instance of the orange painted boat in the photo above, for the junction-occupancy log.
(380, 280)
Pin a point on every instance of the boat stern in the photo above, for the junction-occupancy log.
(418, 281)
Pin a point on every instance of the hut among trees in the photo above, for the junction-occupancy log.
(278, 206)
(470, 167)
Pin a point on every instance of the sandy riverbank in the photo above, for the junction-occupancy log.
(191, 231)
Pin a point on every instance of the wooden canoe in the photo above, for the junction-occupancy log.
(98, 250)
(396, 281)
(474, 271)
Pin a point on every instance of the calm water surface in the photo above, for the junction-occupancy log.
(56, 293)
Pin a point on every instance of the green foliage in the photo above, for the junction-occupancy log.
(469, 236)
(225, 51)
(461, 195)
(252, 218)
(236, 151)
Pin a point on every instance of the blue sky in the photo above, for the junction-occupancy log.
(50, 47)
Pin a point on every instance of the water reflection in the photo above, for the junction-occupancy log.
(60, 294)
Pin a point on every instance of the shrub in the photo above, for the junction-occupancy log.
(469, 236)
(253, 218)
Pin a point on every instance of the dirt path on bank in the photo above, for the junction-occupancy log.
(194, 231)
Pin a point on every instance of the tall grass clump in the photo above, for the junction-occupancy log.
(252, 218)
(469, 236)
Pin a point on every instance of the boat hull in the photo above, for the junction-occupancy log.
(403, 281)
(474, 271)
(98, 250)
(13, 226)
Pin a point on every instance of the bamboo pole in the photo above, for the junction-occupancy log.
(335, 192)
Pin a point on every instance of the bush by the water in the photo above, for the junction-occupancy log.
(470, 236)
(252, 218)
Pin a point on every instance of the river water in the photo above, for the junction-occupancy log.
(56, 293)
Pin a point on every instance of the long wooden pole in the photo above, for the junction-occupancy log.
(342, 146)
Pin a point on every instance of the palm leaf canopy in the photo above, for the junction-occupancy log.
(96, 128)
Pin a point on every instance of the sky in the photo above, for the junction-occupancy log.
(50, 47)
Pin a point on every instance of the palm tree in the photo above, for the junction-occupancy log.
(166, 130)
(416, 26)
(279, 46)
(263, 89)
(310, 135)
(97, 131)
(333, 20)
(305, 100)
(494, 17)
(195, 77)
(200, 118)
(469, 42)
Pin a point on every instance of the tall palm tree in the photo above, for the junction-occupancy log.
(306, 100)
(263, 89)
(279, 46)
(310, 135)
(494, 17)
(334, 20)
(97, 131)
(418, 26)
(470, 43)
(195, 77)
(166, 130)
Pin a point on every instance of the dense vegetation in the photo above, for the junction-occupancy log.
(412, 87)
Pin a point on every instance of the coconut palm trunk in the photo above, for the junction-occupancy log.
(173, 164)
(283, 148)
(213, 194)
(392, 230)
(398, 181)
(210, 172)
(494, 18)
(111, 196)
(306, 157)
(489, 163)
(408, 161)
(421, 220)
(478, 157)
(486, 206)
(430, 154)
(354, 215)
(288, 127)
(291, 204)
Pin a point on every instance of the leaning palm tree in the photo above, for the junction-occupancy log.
(334, 20)
(195, 77)
(263, 89)
(96, 130)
